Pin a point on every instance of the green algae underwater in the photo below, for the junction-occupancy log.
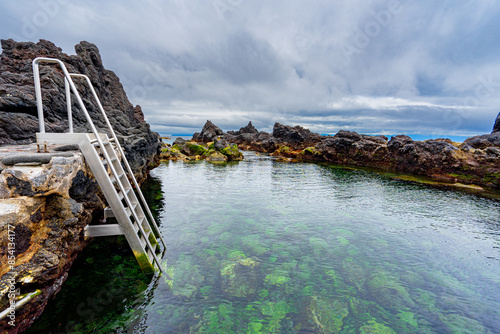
(261, 246)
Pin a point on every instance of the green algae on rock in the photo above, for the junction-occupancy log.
(239, 278)
(327, 315)
(184, 278)
(373, 327)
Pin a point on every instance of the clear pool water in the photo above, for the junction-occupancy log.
(262, 246)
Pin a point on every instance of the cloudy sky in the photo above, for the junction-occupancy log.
(425, 68)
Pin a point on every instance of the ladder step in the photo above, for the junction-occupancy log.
(129, 209)
(121, 195)
(113, 178)
(103, 230)
(143, 242)
(96, 143)
(108, 213)
(104, 161)
(151, 249)
(150, 256)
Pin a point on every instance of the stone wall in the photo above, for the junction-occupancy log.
(46, 200)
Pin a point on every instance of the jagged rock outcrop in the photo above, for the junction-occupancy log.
(46, 200)
(18, 114)
(482, 142)
(295, 137)
(209, 133)
(249, 138)
(496, 127)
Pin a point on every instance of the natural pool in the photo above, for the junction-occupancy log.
(262, 246)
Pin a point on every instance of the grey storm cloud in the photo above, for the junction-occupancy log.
(373, 66)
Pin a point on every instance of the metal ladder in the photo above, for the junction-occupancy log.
(106, 159)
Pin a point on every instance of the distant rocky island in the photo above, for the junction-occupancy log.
(475, 161)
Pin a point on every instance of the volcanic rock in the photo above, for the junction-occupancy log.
(496, 127)
(296, 137)
(209, 133)
(484, 141)
(48, 207)
(18, 113)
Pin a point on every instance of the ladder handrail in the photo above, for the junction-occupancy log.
(67, 78)
(120, 150)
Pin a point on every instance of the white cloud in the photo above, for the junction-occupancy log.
(266, 61)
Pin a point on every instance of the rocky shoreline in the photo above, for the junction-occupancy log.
(475, 161)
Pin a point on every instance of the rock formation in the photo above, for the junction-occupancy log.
(496, 127)
(18, 113)
(249, 138)
(209, 133)
(46, 200)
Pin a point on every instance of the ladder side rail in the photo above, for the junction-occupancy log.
(122, 185)
(132, 209)
(38, 94)
(127, 165)
(100, 171)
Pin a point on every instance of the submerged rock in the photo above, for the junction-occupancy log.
(326, 316)
(218, 320)
(373, 327)
(215, 156)
(276, 312)
(184, 278)
(389, 292)
(240, 278)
